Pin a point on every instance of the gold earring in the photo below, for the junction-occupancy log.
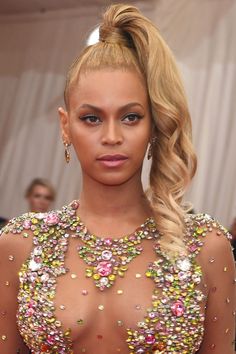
(150, 148)
(67, 152)
(149, 154)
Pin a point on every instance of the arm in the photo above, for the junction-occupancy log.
(13, 252)
(218, 266)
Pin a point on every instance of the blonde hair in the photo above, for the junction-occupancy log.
(40, 182)
(128, 40)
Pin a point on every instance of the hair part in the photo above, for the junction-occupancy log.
(130, 41)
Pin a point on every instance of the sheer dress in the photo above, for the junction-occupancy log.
(157, 305)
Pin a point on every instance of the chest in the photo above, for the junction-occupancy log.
(151, 304)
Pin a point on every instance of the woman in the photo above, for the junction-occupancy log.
(89, 283)
(40, 194)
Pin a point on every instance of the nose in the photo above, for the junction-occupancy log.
(112, 133)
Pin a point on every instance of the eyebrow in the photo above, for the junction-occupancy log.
(129, 105)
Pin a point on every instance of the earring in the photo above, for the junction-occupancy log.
(150, 148)
(67, 152)
(149, 154)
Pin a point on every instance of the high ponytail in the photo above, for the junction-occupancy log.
(130, 41)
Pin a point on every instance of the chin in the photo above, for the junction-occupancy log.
(114, 180)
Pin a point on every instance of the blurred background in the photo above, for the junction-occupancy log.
(38, 41)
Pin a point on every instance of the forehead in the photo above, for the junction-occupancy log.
(38, 188)
(108, 86)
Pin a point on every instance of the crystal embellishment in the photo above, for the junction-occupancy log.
(184, 264)
(107, 258)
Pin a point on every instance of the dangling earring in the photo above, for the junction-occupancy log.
(67, 152)
(149, 154)
(150, 148)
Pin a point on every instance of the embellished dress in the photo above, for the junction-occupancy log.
(80, 293)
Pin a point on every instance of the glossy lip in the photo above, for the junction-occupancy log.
(112, 160)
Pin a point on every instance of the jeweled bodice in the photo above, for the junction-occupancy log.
(174, 321)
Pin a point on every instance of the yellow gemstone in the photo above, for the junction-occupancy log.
(120, 273)
(34, 221)
(123, 268)
(148, 274)
(89, 273)
(67, 332)
(96, 276)
(50, 320)
(199, 230)
(112, 277)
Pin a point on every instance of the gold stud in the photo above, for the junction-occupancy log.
(101, 307)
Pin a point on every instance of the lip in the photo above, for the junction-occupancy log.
(116, 157)
(112, 160)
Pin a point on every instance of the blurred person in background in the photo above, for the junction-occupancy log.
(3, 221)
(40, 195)
(233, 233)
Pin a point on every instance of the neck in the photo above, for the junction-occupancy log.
(105, 208)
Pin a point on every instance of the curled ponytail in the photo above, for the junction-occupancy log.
(130, 41)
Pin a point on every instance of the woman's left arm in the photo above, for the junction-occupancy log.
(219, 268)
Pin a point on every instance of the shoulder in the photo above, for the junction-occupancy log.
(209, 241)
(19, 235)
(29, 229)
(204, 230)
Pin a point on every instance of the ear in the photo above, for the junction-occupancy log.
(64, 123)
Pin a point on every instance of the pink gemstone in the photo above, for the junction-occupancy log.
(132, 238)
(29, 312)
(104, 268)
(51, 219)
(26, 224)
(50, 340)
(108, 241)
(193, 248)
(75, 204)
(158, 326)
(150, 339)
(177, 308)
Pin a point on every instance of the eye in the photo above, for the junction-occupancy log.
(91, 119)
(132, 118)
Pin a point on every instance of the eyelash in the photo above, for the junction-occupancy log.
(98, 120)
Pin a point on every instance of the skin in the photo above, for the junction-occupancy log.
(40, 199)
(109, 114)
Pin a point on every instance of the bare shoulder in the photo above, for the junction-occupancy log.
(211, 242)
(16, 241)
